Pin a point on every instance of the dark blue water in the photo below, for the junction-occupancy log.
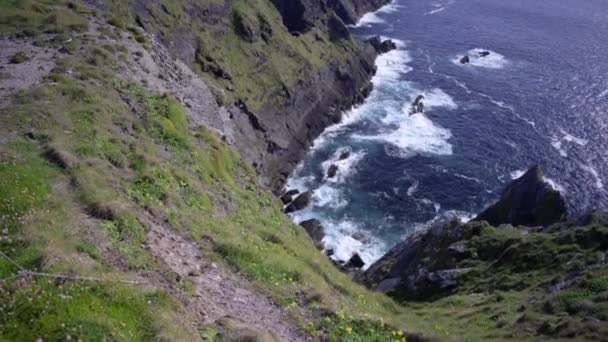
(540, 97)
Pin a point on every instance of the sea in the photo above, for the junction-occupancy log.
(539, 97)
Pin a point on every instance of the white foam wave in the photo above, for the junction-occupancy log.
(437, 98)
(370, 18)
(346, 167)
(412, 189)
(557, 143)
(554, 184)
(416, 134)
(437, 7)
(598, 180)
(391, 66)
(473, 179)
(328, 196)
(493, 61)
(339, 238)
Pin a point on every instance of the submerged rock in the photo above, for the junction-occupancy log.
(483, 53)
(465, 60)
(527, 201)
(287, 197)
(314, 228)
(332, 171)
(301, 202)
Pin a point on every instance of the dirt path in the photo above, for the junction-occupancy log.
(219, 292)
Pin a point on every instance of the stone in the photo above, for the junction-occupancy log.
(465, 60)
(344, 155)
(314, 228)
(332, 171)
(287, 197)
(301, 202)
(355, 262)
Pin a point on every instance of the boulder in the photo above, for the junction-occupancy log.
(418, 105)
(483, 53)
(344, 155)
(301, 202)
(527, 201)
(314, 229)
(332, 171)
(465, 60)
(287, 197)
(382, 46)
(355, 262)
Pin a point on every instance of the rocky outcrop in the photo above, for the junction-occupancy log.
(332, 171)
(313, 105)
(527, 201)
(288, 196)
(299, 203)
(299, 16)
(315, 229)
(418, 105)
(382, 46)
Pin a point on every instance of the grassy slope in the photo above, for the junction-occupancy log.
(260, 69)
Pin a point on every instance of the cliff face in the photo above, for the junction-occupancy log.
(545, 281)
(283, 70)
(300, 15)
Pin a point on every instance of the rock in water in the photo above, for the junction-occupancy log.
(355, 262)
(382, 46)
(299, 203)
(287, 197)
(344, 155)
(418, 105)
(483, 53)
(527, 201)
(465, 60)
(314, 229)
(332, 171)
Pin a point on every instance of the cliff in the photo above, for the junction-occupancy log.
(281, 88)
(525, 282)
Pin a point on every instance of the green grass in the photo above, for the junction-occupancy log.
(84, 311)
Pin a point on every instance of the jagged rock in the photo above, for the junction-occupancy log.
(287, 197)
(337, 28)
(299, 16)
(299, 203)
(355, 262)
(418, 105)
(527, 201)
(382, 46)
(314, 228)
(465, 60)
(332, 171)
(344, 155)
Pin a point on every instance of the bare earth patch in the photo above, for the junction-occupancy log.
(218, 292)
(18, 76)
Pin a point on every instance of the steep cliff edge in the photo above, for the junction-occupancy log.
(281, 90)
(524, 282)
